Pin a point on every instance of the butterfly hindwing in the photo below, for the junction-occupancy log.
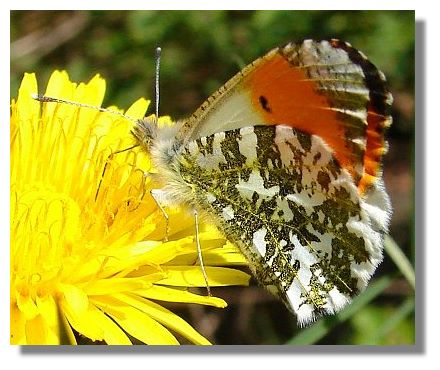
(280, 195)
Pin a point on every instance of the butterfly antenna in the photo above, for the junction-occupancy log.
(158, 51)
(49, 99)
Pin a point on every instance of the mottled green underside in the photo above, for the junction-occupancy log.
(279, 195)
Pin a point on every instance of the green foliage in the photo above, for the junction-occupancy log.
(201, 49)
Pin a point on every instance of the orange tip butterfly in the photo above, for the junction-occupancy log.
(285, 159)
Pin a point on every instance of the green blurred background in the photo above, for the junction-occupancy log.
(200, 51)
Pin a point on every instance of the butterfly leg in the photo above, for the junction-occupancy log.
(199, 252)
(144, 191)
(157, 195)
(107, 161)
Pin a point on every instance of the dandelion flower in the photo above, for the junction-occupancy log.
(88, 249)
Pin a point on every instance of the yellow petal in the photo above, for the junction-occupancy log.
(27, 306)
(165, 252)
(66, 335)
(183, 250)
(83, 321)
(163, 316)
(59, 86)
(138, 108)
(30, 107)
(124, 256)
(226, 255)
(115, 285)
(24, 122)
(91, 92)
(49, 312)
(163, 293)
(36, 331)
(112, 333)
(192, 276)
(118, 258)
(76, 299)
(135, 322)
(17, 323)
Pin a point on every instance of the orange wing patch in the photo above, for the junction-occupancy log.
(284, 95)
(331, 90)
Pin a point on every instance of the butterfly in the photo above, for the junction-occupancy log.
(285, 159)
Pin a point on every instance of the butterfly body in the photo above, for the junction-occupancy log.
(285, 160)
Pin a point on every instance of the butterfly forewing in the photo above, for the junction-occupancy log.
(326, 88)
(281, 196)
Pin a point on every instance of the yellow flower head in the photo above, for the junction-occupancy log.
(88, 249)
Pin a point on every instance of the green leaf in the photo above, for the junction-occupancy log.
(405, 309)
(401, 261)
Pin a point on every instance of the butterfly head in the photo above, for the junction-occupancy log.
(145, 132)
(162, 142)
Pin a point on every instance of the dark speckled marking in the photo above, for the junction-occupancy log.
(276, 266)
